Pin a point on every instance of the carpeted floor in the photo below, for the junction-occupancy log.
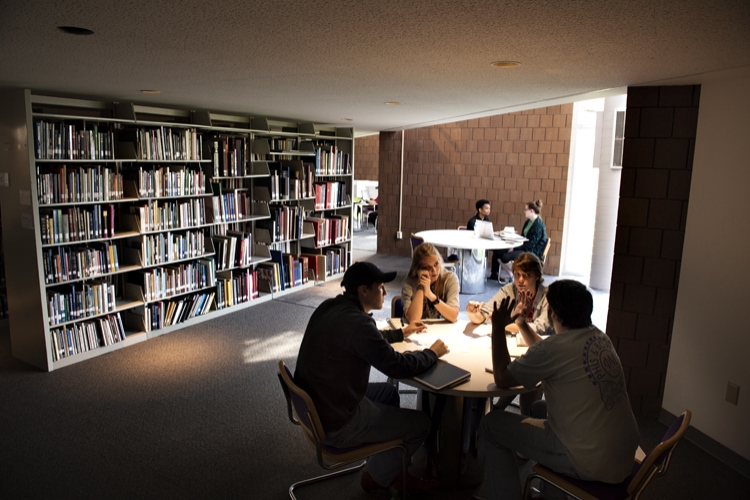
(199, 414)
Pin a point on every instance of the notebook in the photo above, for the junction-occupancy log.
(443, 375)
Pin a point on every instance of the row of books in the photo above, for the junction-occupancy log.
(229, 156)
(158, 215)
(330, 195)
(279, 144)
(329, 230)
(337, 260)
(329, 160)
(290, 181)
(236, 287)
(232, 206)
(63, 184)
(166, 143)
(61, 140)
(171, 280)
(82, 337)
(63, 264)
(66, 225)
(166, 313)
(168, 181)
(234, 249)
(285, 223)
(80, 301)
(167, 247)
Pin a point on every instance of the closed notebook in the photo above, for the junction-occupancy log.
(442, 375)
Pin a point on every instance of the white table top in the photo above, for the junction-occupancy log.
(470, 348)
(457, 238)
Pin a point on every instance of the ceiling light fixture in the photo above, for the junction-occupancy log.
(75, 30)
(151, 91)
(347, 120)
(506, 64)
(392, 103)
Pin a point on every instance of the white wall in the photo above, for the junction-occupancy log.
(607, 200)
(711, 336)
(580, 202)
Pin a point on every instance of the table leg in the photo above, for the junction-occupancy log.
(472, 271)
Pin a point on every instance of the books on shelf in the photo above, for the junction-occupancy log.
(171, 312)
(63, 264)
(229, 156)
(63, 184)
(171, 280)
(235, 287)
(329, 160)
(233, 249)
(328, 230)
(231, 207)
(157, 182)
(73, 141)
(85, 336)
(330, 195)
(67, 225)
(158, 215)
(161, 248)
(73, 302)
(166, 143)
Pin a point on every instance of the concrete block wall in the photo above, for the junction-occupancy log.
(366, 151)
(508, 159)
(660, 128)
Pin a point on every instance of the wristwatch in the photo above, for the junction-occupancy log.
(435, 302)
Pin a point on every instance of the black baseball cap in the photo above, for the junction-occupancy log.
(365, 273)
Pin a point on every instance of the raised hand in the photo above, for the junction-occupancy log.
(525, 304)
(502, 315)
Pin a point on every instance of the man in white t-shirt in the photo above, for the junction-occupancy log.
(590, 431)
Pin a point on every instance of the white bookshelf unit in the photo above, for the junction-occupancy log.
(131, 221)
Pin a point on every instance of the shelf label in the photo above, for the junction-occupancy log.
(27, 221)
(24, 196)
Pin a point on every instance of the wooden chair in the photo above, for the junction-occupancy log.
(546, 251)
(302, 412)
(654, 464)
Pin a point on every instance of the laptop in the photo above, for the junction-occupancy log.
(483, 229)
(443, 375)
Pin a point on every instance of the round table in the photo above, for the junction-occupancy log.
(471, 349)
(473, 249)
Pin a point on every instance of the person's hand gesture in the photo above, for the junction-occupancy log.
(502, 314)
(525, 304)
(413, 327)
(439, 348)
(474, 306)
(424, 285)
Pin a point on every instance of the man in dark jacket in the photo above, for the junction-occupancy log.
(340, 345)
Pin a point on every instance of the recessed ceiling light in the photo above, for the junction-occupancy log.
(151, 91)
(392, 103)
(347, 120)
(506, 64)
(75, 30)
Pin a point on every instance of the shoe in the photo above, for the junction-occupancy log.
(413, 483)
(369, 484)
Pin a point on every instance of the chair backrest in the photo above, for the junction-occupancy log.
(546, 250)
(462, 228)
(301, 407)
(415, 242)
(397, 307)
(656, 462)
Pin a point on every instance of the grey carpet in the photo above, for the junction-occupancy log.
(199, 414)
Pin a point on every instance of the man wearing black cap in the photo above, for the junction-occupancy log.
(340, 345)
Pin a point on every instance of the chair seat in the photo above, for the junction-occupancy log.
(588, 489)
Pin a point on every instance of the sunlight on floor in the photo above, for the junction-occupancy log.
(272, 348)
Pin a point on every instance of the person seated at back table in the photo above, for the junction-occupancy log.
(429, 291)
(527, 281)
(589, 431)
(340, 345)
(483, 213)
(533, 230)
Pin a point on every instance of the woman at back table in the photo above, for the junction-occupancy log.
(533, 230)
(429, 291)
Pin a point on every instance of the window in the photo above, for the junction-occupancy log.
(619, 139)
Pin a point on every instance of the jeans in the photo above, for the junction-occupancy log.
(379, 421)
(502, 435)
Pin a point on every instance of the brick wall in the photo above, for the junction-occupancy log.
(660, 128)
(366, 158)
(508, 159)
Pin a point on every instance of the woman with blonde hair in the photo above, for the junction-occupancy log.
(429, 291)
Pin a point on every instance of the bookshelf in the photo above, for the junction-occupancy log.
(134, 221)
